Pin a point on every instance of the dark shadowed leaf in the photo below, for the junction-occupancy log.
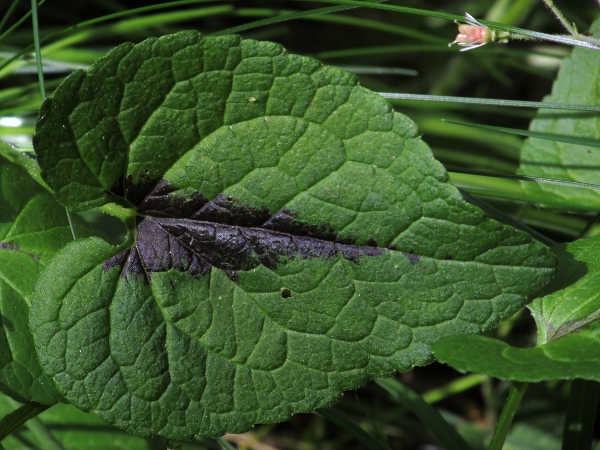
(295, 237)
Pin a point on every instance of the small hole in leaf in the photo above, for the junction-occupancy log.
(229, 199)
(286, 293)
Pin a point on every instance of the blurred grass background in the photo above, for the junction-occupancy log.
(392, 52)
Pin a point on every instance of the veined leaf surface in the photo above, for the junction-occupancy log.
(295, 237)
(33, 226)
(568, 322)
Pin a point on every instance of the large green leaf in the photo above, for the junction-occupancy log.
(295, 238)
(33, 226)
(578, 82)
(568, 321)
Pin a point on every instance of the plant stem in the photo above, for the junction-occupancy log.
(18, 417)
(561, 17)
(517, 391)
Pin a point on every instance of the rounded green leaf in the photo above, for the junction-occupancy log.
(295, 238)
(572, 356)
(568, 322)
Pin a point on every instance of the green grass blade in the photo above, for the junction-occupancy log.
(282, 17)
(223, 444)
(317, 14)
(535, 134)
(505, 218)
(577, 184)
(7, 14)
(581, 413)
(40, 71)
(18, 23)
(365, 438)
(43, 435)
(487, 101)
(82, 25)
(18, 417)
(453, 387)
(443, 431)
(38, 53)
(517, 391)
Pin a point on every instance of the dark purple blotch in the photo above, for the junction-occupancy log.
(192, 234)
(412, 257)
(15, 248)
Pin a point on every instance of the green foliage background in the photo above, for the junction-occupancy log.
(523, 71)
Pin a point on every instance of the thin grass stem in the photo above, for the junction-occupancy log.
(561, 17)
(487, 101)
(40, 71)
(8, 13)
(18, 23)
(517, 391)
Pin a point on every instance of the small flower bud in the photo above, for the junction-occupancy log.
(473, 34)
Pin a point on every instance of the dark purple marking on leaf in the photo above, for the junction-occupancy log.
(118, 189)
(412, 257)
(136, 193)
(192, 234)
(114, 261)
(197, 246)
(17, 249)
(372, 243)
(9, 246)
(286, 222)
(158, 202)
(227, 211)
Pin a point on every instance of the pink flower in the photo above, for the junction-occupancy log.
(473, 34)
